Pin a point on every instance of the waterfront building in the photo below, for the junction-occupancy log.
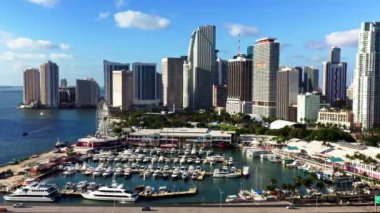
(308, 106)
(366, 100)
(342, 118)
(49, 80)
(172, 82)
(221, 74)
(239, 97)
(265, 67)
(199, 69)
(145, 84)
(87, 92)
(108, 68)
(334, 77)
(122, 89)
(31, 89)
(311, 79)
(67, 96)
(219, 96)
(63, 82)
(287, 91)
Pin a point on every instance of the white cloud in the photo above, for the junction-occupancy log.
(28, 43)
(60, 56)
(346, 38)
(10, 56)
(45, 3)
(315, 45)
(236, 29)
(139, 20)
(120, 3)
(103, 15)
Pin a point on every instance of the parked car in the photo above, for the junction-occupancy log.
(3, 209)
(18, 205)
(145, 208)
(290, 206)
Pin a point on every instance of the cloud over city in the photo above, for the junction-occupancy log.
(140, 20)
(243, 30)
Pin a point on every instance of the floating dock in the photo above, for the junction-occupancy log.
(190, 192)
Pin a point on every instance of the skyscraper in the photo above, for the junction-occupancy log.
(122, 89)
(311, 79)
(109, 67)
(63, 82)
(49, 83)
(334, 77)
(31, 89)
(172, 81)
(87, 92)
(198, 70)
(308, 106)
(159, 87)
(145, 83)
(266, 61)
(221, 72)
(287, 91)
(366, 100)
(300, 79)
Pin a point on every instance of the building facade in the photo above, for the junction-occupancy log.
(342, 118)
(31, 89)
(63, 82)
(266, 59)
(67, 96)
(145, 84)
(311, 79)
(87, 92)
(366, 100)
(221, 74)
(49, 84)
(122, 89)
(287, 91)
(334, 77)
(219, 96)
(172, 82)
(199, 69)
(308, 106)
(108, 68)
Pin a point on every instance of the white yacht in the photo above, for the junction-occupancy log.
(35, 192)
(224, 172)
(113, 193)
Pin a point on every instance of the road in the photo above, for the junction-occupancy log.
(108, 209)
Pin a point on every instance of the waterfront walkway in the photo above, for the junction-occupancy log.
(192, 209)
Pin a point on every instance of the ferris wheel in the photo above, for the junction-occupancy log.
(102, 118)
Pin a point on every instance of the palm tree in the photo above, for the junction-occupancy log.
(320, 185)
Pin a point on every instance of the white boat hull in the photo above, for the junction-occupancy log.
(100, 198)
(28, 199)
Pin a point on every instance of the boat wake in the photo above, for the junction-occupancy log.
(38, 130)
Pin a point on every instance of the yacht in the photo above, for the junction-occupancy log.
(113, 193)
(246, 171)
(36, 192)
(224, 172)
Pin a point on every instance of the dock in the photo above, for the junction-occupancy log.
(190, 192)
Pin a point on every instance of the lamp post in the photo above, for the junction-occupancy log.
(316, 203)
(220, 194)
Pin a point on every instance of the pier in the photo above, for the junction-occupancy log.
(157, 195)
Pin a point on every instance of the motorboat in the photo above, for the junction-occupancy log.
(34, 192)
(112, 193)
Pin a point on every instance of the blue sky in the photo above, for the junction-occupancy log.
(79, 34)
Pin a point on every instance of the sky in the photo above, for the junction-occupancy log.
(79, 34)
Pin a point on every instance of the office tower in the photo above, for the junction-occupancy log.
(334, 77)
(287, 91)
(219, 96)
(308, 106)
(87, 92)
(63, 82)
(250, 52)
(31, 89)
(366, 100)
(239, 96)
(221, 72)
(349, 96)
(266, 58)
(67, 96)
(199, 68)
(109, 67)
(311, 79)
(145, 84)
(172, 82)
(49, 80)
(300, 79)
(122, 89)
(159, 87)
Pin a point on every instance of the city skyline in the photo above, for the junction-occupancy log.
(79, 55)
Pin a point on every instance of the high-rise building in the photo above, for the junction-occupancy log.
(67, 96)
(239, 96)
(300, 80)
(122, 89)
(145, 84)
(219, 96)
(221, 73)
(109, 67)
(63, 82)
(172, 82)
(159, 88)
(31, 89)
(287, 91)
(49, 84)
(311, 79)
(199, 68)
(308, 106)
(87, 92)
(366, 100)
(250, 52)
(266, 59)
(334, 77)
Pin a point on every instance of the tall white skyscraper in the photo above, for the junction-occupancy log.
(109, 67)
(31, 89)
(266, 59)
(198, 70)
(334, 77)
(287, 91)
(49, 84)
(122, 89)
(366, 100)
